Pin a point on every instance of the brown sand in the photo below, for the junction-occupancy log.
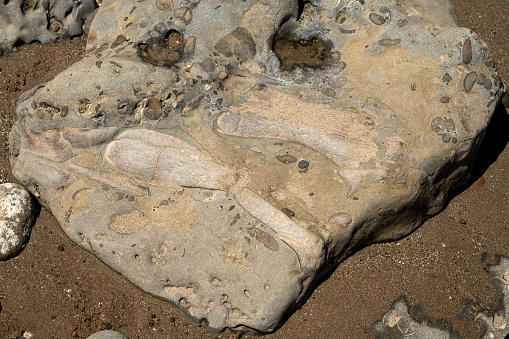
(56, 290)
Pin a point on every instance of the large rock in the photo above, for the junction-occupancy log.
(196, 150)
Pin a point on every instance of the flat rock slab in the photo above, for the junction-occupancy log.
(225, 157)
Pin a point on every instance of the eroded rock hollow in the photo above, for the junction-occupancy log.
(223, 156)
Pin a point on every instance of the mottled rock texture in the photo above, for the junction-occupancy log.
(226, 156)
(26, 21)
(18, 211)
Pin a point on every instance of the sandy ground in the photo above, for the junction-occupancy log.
(56, 290)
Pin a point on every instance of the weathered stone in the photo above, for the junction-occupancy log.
(107, 334)
(200, 161)
(18, 211)
(45, 21)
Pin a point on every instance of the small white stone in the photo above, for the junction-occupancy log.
(17, 216)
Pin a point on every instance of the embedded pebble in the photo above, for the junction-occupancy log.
(286, 158)
(469, 81)
(337, 81)
(18, 211)
(184, 14)
(153, 110)
(481, 79)
(447, 78)
(328, 92)
(190, 44)
(402, 23)
(467, 51)
(303, 164)
(222, 75)
(389, 42)
(377, 19)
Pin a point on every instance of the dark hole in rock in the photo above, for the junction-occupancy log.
(302, 3)
(68, 12)
(295, 52)
(164, 53)
(295, 47)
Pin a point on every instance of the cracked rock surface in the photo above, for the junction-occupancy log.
(225, 157)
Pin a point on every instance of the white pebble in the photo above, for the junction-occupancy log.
(17, 215)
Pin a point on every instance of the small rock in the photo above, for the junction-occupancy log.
(153, 109)
(107, 334)
(184, 14)
(377, 19)
(469, 81)
(286, 159)
(467, 51)
(303, 164)
(18, 212)
(222, 75)
(328, 92)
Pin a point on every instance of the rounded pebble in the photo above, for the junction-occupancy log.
(467, 51)
(328, 92)
(469, 81)
(303, 164)
(337, 81)
(153, 110)
(376, 19)
(18, 211)
(184, 14)
(107, 334)
(190, 45)
(286, 159)
(164, 5)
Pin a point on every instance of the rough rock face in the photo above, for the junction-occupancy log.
(41, 20)
(18, 211)
(224, 156)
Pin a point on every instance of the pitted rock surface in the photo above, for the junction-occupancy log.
(193, 154)
(26, 21)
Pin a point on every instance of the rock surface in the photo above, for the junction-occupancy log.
(18, 211)
(26, 21)
(225, 158)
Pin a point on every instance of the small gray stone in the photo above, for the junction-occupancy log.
(107, 334)
(18, 212)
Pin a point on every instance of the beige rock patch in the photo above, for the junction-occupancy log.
(129, 223)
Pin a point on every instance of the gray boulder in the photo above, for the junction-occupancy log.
(18, 212)
(224, 157)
